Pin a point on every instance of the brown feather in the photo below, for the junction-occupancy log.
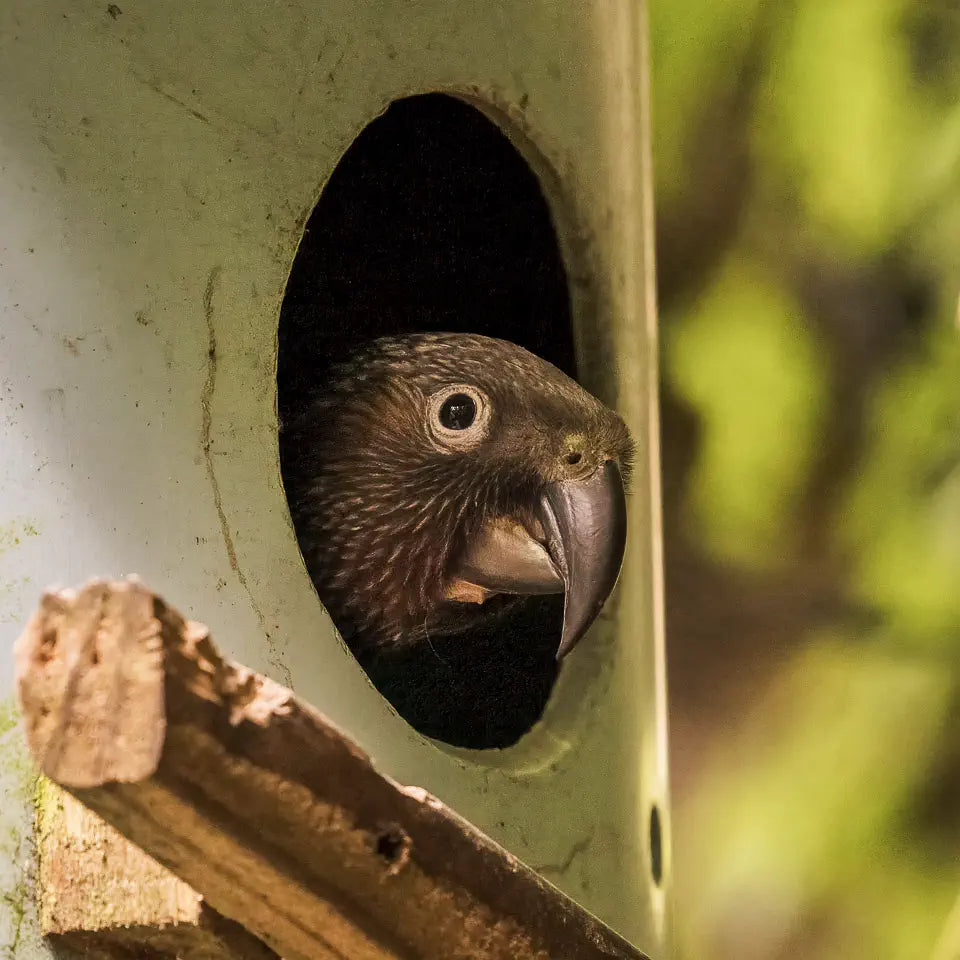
(381, 513)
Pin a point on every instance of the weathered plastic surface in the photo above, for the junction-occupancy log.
(157, 162)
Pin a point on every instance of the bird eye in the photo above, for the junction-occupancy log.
(458, 412)
(459, 416)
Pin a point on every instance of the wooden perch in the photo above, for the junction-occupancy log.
(250, 796)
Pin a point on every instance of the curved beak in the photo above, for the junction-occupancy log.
(584, 534)
(585, 522)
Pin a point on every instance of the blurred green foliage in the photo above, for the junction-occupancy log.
(700, 45)
(804, 808)
(807, 157)
(902, 518)
(839, 122)
(746, 360)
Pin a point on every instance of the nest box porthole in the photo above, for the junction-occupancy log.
(432, 221)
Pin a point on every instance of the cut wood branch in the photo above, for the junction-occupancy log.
(262, 806)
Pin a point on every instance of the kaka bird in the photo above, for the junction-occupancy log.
(436, 479)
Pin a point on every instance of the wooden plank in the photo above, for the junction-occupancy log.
(262, 806)
(103, 897)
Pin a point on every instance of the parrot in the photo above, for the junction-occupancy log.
(436, 480)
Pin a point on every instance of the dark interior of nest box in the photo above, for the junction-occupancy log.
(433, 221)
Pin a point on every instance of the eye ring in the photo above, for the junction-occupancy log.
(459, 415)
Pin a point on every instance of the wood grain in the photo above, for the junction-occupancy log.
(261, 805)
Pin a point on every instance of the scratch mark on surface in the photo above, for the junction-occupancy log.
(206, 445)
(232, 126)
(331, 75)
(206, 394)
(183, 106)
(560, 869)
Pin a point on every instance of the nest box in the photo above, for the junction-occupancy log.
(201, 204)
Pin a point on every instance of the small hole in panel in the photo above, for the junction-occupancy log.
(431, 221)
(656, 846)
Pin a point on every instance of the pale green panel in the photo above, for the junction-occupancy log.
(156, 166)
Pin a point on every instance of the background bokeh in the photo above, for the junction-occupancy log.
(807, 157)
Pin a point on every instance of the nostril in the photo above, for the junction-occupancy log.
(574, 458)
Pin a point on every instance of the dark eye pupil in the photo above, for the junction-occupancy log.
(458, 412)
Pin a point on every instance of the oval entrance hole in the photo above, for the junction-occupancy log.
(432, 221)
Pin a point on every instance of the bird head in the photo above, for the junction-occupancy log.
(436, 478)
